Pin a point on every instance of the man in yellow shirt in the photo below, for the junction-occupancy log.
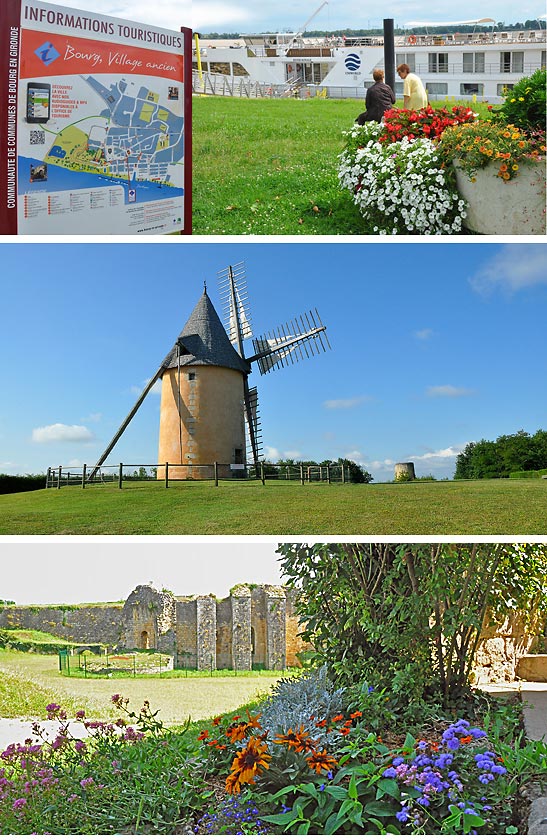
(414, 95)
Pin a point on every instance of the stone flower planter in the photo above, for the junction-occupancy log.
(510, 207)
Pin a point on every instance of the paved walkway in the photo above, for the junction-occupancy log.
(16, 730)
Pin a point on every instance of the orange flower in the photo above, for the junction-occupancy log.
(321, 761)
(503, 167)
(203, 735)
(321, 723)
(253, 720)
(220, 747)
(505, 176)
(249, 762)
(336, 718)
(237, 732)
(216, 721)
(345, 730)
(356, 715)
(466, 740)
(298, 741)
(236, 717)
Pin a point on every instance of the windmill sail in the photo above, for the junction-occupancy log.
(235, 300)
(304, 337)
(254, 428)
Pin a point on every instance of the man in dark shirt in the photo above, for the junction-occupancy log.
(380, 98)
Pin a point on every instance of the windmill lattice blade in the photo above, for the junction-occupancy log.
(304, 337)
(235, 302)
(257, 427)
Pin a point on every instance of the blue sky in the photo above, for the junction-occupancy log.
(242, 16)
(433, 345)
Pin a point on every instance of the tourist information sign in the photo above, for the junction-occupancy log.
(96, 123)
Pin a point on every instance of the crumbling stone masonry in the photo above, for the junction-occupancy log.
(256, 626)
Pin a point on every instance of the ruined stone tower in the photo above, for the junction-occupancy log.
(202, 416)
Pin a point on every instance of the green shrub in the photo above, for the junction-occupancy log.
(528, 473)
(524, 105)
(21, 483)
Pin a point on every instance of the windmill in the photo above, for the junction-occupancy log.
(207, 404)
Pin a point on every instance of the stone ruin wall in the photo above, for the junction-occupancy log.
(502, 646)
(255, 626)
(77, 623)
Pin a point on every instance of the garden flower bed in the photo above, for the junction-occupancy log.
(339, 770)
(441, 171)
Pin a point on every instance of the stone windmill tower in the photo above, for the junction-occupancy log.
(202, 396)
(207, 405)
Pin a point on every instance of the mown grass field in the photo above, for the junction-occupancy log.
(279, 508)
(28, 682)
(269, 166)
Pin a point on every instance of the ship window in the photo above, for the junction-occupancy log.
(471, 89)
(503, 90)
(407, 58)
(512, 62)
(438, 62)
(473, 62)
(437, 88)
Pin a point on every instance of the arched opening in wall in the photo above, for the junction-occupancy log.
(145, 641)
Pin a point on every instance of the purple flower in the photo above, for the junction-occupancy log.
(477, 733)
(390, 773)
(87, 782)
(402, 815)
(423, 800)
(397, 761)
(452, 743)
(443, 760)
(19, 804)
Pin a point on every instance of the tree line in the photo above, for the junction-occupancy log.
(398, 30)
(503, 456)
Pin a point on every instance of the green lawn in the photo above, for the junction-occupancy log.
(28, 682)
(471, 507)
(269, 166)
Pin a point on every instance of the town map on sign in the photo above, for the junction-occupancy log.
(135, 137)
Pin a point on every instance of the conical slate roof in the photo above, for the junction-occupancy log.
(204, 341)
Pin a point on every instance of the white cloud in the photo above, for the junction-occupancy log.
(423, 335)
(440, 455)
(61, 432)
(344, 404)
(354, 455)
(138, 389)
(271, 453)
(513, 268)
(447, 391)
(217, 16)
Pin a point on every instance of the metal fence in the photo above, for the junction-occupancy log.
(124, 475)
(86, 664)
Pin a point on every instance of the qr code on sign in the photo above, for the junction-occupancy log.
(37, 138)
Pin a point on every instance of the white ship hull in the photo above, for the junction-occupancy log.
(479, 66)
